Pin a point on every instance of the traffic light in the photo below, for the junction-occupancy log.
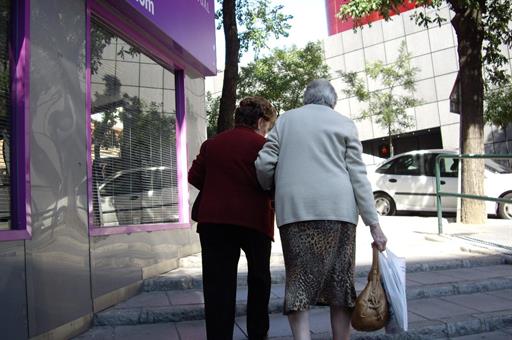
(384, 151)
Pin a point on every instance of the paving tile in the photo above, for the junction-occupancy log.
(279, 326)
(498, 335)
(239, 334)
(278, 291)
(437, 309)
(186, 297)
(497, 270)
(428, 329)
(158, 331)
(320, 321)
(507, 330)
(482, 302)
(410, 283)
(196, 330)
(192, 330)
(360, 283)
(430, 277)
(149, 299)
(241, 294)
(97, 333)
(468, 274)
(413, 317)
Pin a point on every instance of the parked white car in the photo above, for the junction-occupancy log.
(138, 196)
(407, 182)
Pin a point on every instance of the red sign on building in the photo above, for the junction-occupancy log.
(336, 25)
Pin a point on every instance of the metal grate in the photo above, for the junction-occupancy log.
(505, 249)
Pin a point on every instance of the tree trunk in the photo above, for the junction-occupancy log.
(469, 28)
(391, 148)
(228, 98)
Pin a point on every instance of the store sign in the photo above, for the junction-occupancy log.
(148, 5)
(189, 23)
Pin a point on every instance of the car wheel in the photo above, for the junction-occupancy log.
(384, 204)
(505, 209)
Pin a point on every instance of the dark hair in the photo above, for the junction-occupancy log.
(251, 109)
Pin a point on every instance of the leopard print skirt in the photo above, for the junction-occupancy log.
(319, 258)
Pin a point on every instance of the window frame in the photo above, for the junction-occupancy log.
(131, 34)
(391, 169)
(19, 60)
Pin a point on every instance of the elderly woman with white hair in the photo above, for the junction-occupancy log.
(312, 158)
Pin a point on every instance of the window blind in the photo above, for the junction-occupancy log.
(5, 115)
(133, 125)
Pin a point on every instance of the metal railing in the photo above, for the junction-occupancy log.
(440, 193)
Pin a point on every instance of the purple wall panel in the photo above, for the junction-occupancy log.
(181, 148)
(20, 92)
(185, 29)
(190, 23)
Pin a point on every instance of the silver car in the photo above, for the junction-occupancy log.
(406, 182)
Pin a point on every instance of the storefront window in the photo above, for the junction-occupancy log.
(5, 115)
(133, 134)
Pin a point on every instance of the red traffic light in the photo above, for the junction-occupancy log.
(383, 151)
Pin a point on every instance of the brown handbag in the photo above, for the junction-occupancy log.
(371, 311)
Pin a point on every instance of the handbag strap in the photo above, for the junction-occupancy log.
(375, 270)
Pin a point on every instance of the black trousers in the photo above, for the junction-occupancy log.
(220, 251)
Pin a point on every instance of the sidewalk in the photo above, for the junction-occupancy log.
(455, 287)
(416, 239)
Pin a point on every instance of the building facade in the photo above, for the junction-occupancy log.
(434, 53)
(102, 109)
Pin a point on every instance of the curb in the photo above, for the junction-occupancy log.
(169, 281)
(461, 326)
(144, 315)
(458, 288)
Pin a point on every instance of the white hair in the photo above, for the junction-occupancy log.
(321, 92)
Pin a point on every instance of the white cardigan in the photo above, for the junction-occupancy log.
(314, 155)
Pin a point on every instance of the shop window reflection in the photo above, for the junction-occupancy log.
(133, 146)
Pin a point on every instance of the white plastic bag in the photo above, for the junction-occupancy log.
(392, 271)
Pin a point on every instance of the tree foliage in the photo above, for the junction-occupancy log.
(388, 106)
(282, 76)
(257, 21)
(212, 113)
(498, 106)
(248, 24)
(482, 27)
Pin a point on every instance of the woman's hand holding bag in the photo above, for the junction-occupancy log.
(371, 311)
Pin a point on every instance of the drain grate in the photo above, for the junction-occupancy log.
(506, 249)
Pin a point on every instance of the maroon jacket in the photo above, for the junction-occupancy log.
(230, 194)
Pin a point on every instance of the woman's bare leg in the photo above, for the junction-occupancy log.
(340, 323)
(299, 323)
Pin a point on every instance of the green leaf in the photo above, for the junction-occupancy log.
(387, 108)
(282, 76)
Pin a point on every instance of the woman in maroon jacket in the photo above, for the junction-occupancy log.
(234, 213)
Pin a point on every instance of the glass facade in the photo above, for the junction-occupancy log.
(133, 134)
(5, 114)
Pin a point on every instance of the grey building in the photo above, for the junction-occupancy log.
(101, 112)
(434, 52)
